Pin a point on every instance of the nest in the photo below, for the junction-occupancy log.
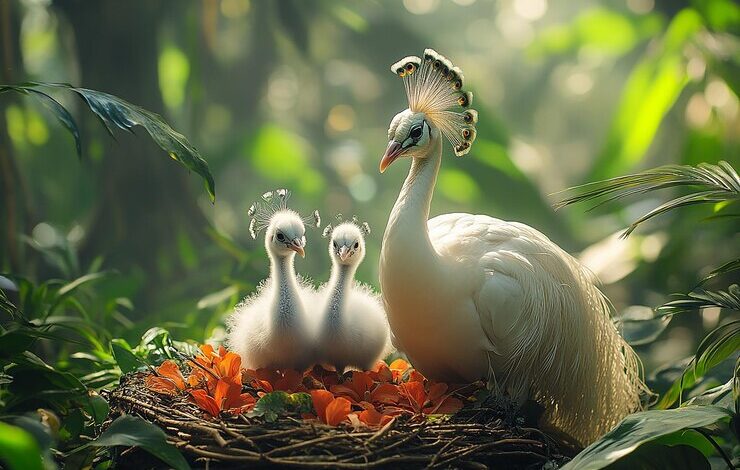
(475, 437)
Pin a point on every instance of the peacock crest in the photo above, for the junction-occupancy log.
(435, 87)
(364, 226)
(270, 203)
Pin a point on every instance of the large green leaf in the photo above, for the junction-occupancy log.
(641, 428)
(18, 449)
(116, 112)
(132, 431)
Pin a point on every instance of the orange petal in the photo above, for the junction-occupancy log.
(449, 405)
(415, 393)
(230, 366)
(161, 385)
(416, 376)
(205, 402)
(346, 391)
(171, 371)
(373, 417)
(381, 372)
(337, 411)
(321, 399)
(436, 391)
(385, 393)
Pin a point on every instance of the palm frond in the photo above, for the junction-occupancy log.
(730, 266)
(729, 299)
(714, 183)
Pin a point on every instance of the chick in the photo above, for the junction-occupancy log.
(353, 329)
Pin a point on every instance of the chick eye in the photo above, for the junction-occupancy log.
(415, 133)
(335, 244)
(280, 237)
(357, 245)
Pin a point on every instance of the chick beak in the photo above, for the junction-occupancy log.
(297, 246)
(391, 154)
(343, 253)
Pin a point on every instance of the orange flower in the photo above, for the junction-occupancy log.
(210, 366)
(398, 368)
(361, 387)
(435, 401)
(168, 381)
(381, 373)
(330, 410)
(372, 417)
(227, 397)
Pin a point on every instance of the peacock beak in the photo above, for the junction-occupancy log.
(297, 246)
(343, 253)
(391, 153)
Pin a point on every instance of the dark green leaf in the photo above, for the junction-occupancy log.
(132, 431)
(126, 359)
(643, 427)
(729, 299)
(116, 112)
(654, 456)
(62, 115)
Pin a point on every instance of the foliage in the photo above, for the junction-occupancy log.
(644, 427)
(253, 84)
(113, 111)
(719, 184)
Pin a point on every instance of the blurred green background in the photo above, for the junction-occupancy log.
(298, 94)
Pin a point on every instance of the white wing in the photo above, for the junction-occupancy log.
(549, 325)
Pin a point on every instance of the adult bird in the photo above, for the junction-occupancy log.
(271, 327)
(470, 296)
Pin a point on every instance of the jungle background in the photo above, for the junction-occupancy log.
(299, 95)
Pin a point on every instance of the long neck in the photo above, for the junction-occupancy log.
(406, 239)
(282, 274)
(338, 287)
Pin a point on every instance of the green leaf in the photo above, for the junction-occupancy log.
(730, 266)
(716, 347)
(274, 404)
(692, 301)
(641, 428)
(116, 112)
(18, 449)
(132, 431)
(660, 456)
(271, 405)
(715, 183)
(125, 358)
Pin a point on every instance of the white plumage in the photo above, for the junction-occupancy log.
(353, 327)
(270, 328)
(470, 296)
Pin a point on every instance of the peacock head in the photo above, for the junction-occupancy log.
(285, 232)
(347, 244)
(437, 104)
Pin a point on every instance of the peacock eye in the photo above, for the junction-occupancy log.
(415, 133)
(357, 245)
(281, 237)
